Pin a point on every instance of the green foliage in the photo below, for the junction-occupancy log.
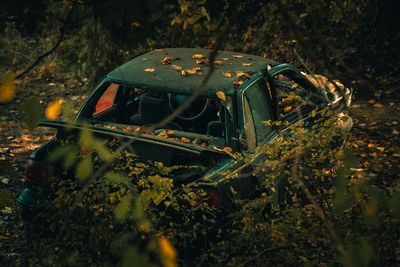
(31, 111)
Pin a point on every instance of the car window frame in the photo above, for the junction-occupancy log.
(260, 75)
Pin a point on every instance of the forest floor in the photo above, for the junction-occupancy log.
(375, 140)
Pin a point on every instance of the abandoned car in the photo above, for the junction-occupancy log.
(226, 118)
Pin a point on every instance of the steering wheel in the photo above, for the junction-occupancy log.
(195, 111)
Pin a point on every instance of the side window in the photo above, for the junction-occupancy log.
(291, 95)
(106, 101)
(257, 110)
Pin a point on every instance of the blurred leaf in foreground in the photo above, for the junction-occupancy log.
(54, 109)
(7, 87)
(31, 110)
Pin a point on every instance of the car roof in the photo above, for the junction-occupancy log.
(147, 71)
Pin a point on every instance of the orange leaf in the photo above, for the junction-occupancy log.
(221, 95)
(227, 74)
(229, 151)
(237, 56)
(197, 56)
(176, 67)
(218, 62)
(166, 60)
(287, 109)
(54, 109)
(246, 64)
(7, 88)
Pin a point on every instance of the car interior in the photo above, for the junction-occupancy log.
(205, 116)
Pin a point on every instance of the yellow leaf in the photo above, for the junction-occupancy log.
(227, 74)
(166, 60)
(218, 62)
(149, 69)
(246, 64)
(176, 67)
(197, 56)
(7, 88)
(225, 58)
(237, 56)
(313, 113)
(221, 95)
(54, 108)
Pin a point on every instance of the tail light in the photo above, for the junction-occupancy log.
(36, 172)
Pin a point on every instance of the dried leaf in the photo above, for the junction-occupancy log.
(237, 56)
(218, 62)
(197, 56)
(7, 88)
(237, 83)
(221, 95)
(246, 64)
(227, 74)
(287, 109)
(241, 74)
(149, 69)
(54, 109)
(176, 67)
(200, 61)
(229, 151)
(225, 58)
(166, 60)
(185, 140)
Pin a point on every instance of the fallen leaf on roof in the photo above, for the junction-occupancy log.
(237, 56)
(246, 64)
(287, 109)
(149, 69)
(227, 74)
(225, 58)
(166, 60)
(200, 61)
(197, 56)
(237, 83)
(218, 62)
(176, 67)
(221, 95)
(191, 71)
(241, 74)
(229, 151)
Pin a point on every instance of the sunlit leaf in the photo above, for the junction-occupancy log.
(149, 69)
(237, 56)
(176, 67)
(54, 109)
(227, 74)
(246, 64)
(166, 60)
(221, 95)
(218, 62)
(197, 56)
(7, 88)
(31, 111)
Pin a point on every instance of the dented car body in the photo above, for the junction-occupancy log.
(224, 122)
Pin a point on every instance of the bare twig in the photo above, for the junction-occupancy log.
(56, 45)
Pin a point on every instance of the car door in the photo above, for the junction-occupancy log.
(296, 96)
